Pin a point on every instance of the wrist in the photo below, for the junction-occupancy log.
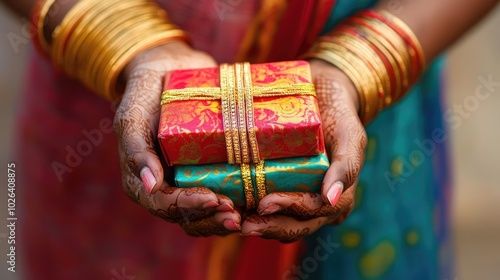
(319, 66)
(174, 47)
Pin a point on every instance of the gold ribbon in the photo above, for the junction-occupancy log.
(236, 93)
(214, 93)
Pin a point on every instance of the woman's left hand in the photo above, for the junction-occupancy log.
(290, 216)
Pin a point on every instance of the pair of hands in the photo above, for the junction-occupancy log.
(200, 212)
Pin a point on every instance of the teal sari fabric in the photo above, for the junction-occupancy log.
(399, 226)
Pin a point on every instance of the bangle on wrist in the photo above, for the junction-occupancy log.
(379, 53)
(96, 39)
(38, 20)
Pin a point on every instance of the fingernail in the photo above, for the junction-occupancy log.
(148, 179)
(271, 209)
(225, 207)
(210, 204)
(231, 225)
(252, 233)
(334, 193)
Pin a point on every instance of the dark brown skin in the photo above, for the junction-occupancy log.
(437, 24)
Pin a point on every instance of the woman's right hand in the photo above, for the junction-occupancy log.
(199, 211)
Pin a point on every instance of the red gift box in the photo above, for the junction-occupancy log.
(285, 122)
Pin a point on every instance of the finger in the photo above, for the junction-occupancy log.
(222, 223)
(136, 123)
(131, 184)
(170, 203)
(225, 203)
(181, 205)
(299, 205)
(231, 220)
(345, 137)
(303, 205)
(283, 228)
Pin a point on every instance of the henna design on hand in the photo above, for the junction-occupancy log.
(345, 138)
(344, 134)
(204, 228)
(275, 231)
(304, 206)
(136, 123)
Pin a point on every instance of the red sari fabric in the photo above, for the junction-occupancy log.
(76, 222)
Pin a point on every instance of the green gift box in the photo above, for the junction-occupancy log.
(299, 174)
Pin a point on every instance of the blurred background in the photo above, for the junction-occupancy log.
(474, 144)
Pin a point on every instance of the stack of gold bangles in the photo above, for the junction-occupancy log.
(97, 39)
(379, 53)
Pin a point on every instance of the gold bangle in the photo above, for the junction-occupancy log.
(408, 32)
(73, 50)
(96, 39)
(398, 45)
(44, 10)
(373, 102)
(63, 30)
(103, 41)
(152, 41)
(380, 55)
(372, 38)
(402, 64)
(356, 62)
(120, 44)
(96, 19)
(374, 63)
(362, 50)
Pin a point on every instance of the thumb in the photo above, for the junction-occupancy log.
(136, 124)
(345, 138)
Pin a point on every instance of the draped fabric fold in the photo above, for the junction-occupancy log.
(284, 29)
